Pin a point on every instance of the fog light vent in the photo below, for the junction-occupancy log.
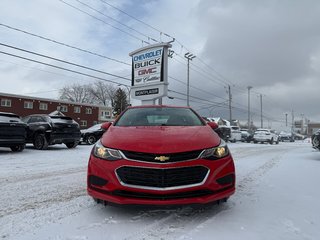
(94, 180)
(226, 179)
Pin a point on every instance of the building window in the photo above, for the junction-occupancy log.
(105, 114)
(95, 122)
(77, 109)
(43, 106)
(83, 123)
(5, 102)
(28, 105)
(63, 108)
(88, 110)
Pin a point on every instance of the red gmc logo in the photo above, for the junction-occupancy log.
(147, 71)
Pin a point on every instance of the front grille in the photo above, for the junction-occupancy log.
(162, 178)
(173, 157)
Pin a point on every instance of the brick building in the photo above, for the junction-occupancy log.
(85, 114)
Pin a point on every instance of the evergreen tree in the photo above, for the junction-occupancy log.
(120, 101)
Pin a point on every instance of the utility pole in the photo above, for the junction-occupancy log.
(188, 56)
(261, 110)
(230, 99)
(249, 126)
(286, 119)
(292, 126)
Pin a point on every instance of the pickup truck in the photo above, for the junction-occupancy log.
(265, 135)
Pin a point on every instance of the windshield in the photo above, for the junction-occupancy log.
(155, 116)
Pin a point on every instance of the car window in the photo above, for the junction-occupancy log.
(155, 116)
(61, 119)
(9, 118)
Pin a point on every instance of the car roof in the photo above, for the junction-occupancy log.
(7, 114)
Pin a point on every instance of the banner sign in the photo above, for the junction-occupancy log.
(147, 66)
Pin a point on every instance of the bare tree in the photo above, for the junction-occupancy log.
(76, 93)
(103, 93)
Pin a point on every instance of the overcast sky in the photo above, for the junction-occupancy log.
(273, 46)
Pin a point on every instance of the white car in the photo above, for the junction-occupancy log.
(235, 134)
(265, 135)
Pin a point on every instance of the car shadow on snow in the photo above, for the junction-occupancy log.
(183, 212)
(50, 148)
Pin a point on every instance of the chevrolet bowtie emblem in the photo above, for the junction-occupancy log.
(162, 158)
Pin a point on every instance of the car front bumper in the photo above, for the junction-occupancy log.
(105, 184)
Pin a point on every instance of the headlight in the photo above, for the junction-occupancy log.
(106, 153)
(216, 152)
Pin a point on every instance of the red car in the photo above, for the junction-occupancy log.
(160, 155)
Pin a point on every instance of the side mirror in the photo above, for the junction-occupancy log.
(106, 125)
(213, 125)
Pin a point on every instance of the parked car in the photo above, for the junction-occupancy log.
(265, 135)
(12, 132)
(235, 134)
(315, 140)
(224, 132)
(160, 155)
(285, 136)
(44, 130)
(92, 134)
(246, 135)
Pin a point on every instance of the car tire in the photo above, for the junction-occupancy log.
(40, 142)
(315, 142)
(17, 148)
(255, 141)
(72, 144)
(91, 139)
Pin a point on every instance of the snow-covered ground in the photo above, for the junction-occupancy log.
(43, 196)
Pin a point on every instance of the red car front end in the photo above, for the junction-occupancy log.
(158, 163)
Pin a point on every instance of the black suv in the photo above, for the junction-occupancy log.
(12, 132)
(44, 130)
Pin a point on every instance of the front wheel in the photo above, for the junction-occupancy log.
(18, 148)
(91, 139)
(72, 144)
(40, 142)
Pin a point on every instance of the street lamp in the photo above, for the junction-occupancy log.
(188, 56)
(249, 126)
(129, 91)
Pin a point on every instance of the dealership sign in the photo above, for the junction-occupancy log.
(149, 72)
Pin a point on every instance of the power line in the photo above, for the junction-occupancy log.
(63, 44)
(63, 61)
(61, 68)
(122, 24)
(144, 23)
(99, 19)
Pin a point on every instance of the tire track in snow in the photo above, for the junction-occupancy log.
(38, 176)
(253, 177)
(43, 203)
(178, 222)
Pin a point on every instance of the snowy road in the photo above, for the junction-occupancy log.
(43, 196)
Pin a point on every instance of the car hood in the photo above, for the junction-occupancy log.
(160, 139)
